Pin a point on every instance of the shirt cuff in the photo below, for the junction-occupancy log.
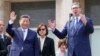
(11, 22)
(53, 29)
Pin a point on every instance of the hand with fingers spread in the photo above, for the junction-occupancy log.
(52, 24)
(83, 18)
(13, 16)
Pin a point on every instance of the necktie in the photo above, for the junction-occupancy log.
(23, 34)
(76, 22)
(74, 25)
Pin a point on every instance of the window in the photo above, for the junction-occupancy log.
(38, 11)
(92, 9)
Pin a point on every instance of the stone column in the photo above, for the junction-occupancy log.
(4, 11)
(1, 9)
(5, 8)
(63, 8)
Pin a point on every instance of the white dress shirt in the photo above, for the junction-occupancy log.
(42, 40)
(77, 18)
(2, 36)
(25, 31)
(73, 17)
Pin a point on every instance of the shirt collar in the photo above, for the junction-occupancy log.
(73, 17)
(42, 38)
(77, 18)
(2, 35)
(24, 29)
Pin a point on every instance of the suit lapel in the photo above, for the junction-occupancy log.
(72, 28)
(1, 39)
(20, 34)
(45, 43)
(28, 34)
(78, 27)
(4, 37)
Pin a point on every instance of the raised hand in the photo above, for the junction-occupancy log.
(52, 24)
(83, 18)
(12, 16)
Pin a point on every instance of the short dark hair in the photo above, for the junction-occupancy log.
(40, 25)
(25, 16)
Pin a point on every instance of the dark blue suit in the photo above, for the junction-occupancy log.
(78, 39)
(30, 44)
(4, 44)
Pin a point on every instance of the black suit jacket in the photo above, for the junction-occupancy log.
(48, 47)
(3, 45)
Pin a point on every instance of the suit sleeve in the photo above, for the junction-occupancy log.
(52, 48)
(62, 34)
(10, 30)
(36, 46)
(89, 26)
(0, 46)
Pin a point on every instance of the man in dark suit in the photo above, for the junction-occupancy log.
(78, 30)
(4, 40)
(46, 44)
(25, 41)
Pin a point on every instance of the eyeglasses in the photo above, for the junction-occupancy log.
(41, 29)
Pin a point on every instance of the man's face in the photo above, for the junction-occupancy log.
(76, 11)
(24, 23)
(1, 26)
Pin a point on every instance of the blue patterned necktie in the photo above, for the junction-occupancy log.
(76, 22)
(74, 25)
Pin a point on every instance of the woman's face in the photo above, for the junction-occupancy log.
(42, 31)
